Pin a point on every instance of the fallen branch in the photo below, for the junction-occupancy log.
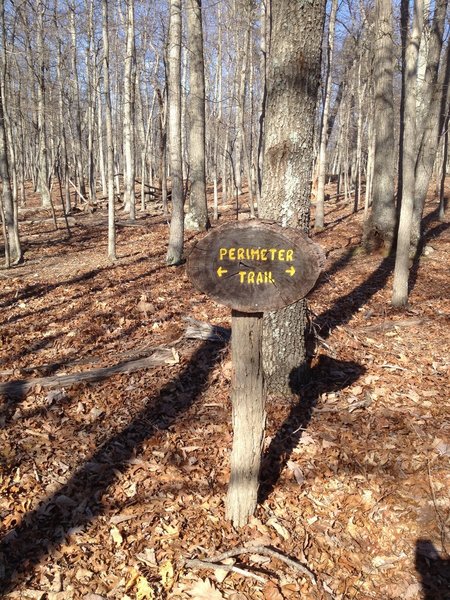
(78, 191)
(393, 324)
(71, 220)
(196, 563)
(161, 356)
(215, 562)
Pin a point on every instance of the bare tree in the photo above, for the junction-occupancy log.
(380, 226)
(293, 80)
(128, 114)
(109, 135)
(197, 215)
(322, 158)
(401, 271)
(176, 236)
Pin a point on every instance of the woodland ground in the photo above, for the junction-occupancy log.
(107, 486)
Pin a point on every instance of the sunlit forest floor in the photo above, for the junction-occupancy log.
(107, 486)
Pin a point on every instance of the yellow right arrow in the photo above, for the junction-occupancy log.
(291, 271)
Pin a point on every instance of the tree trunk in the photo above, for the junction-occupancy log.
(128, 115)
(401, 270)
(380, 226)
(197, 216)
(42, 129)
(322, 159)
(13, 251)
(109, 135)
(293, 80)
(435, 95)
(176, 236)
(442, 206)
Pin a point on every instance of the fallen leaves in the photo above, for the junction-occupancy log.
(114, 483)
(204, 589)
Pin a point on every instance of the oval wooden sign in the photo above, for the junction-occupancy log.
(255, 266)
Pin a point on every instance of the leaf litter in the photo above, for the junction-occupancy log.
(108, 486)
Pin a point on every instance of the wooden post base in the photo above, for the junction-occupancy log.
(249, 416)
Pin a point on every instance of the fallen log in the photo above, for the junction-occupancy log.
(160, 357)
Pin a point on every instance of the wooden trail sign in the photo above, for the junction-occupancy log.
(251, 267)
(255, 266)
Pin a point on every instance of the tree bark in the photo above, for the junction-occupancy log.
(401, 269)
(109, 135)
(13, 251)
(128, 115)
(434, 95)
(42, 129)
(176, 235)
(293, 80)
(322, 159)
(197, 216)
(380, 226)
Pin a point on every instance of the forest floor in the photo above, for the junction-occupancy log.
(107, 486)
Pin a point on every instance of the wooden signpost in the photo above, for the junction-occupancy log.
(252, 267)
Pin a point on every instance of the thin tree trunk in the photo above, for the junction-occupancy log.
(442, 206)
(109, 135)
(322, 159)
(128, 115)
(197, 216)
(176, 235)
(435, 95)
(42, 130)
(78, 140)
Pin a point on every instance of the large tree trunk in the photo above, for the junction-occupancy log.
(380, 226)
(401, 270)
(293, 80)
(197, 216)
(176, 236)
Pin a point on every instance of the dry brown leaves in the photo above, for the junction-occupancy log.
(107, 487)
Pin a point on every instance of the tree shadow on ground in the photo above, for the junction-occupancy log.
(44, 529)
(329, 375)
(434, 571)
(345, 307)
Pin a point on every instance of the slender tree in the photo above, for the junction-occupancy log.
(322, 158)
(128, 114)
(109, 134)
(176, 236)
(13, 251)
(197, 216)
(41, 116)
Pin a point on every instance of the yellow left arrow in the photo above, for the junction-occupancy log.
(221, 271)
